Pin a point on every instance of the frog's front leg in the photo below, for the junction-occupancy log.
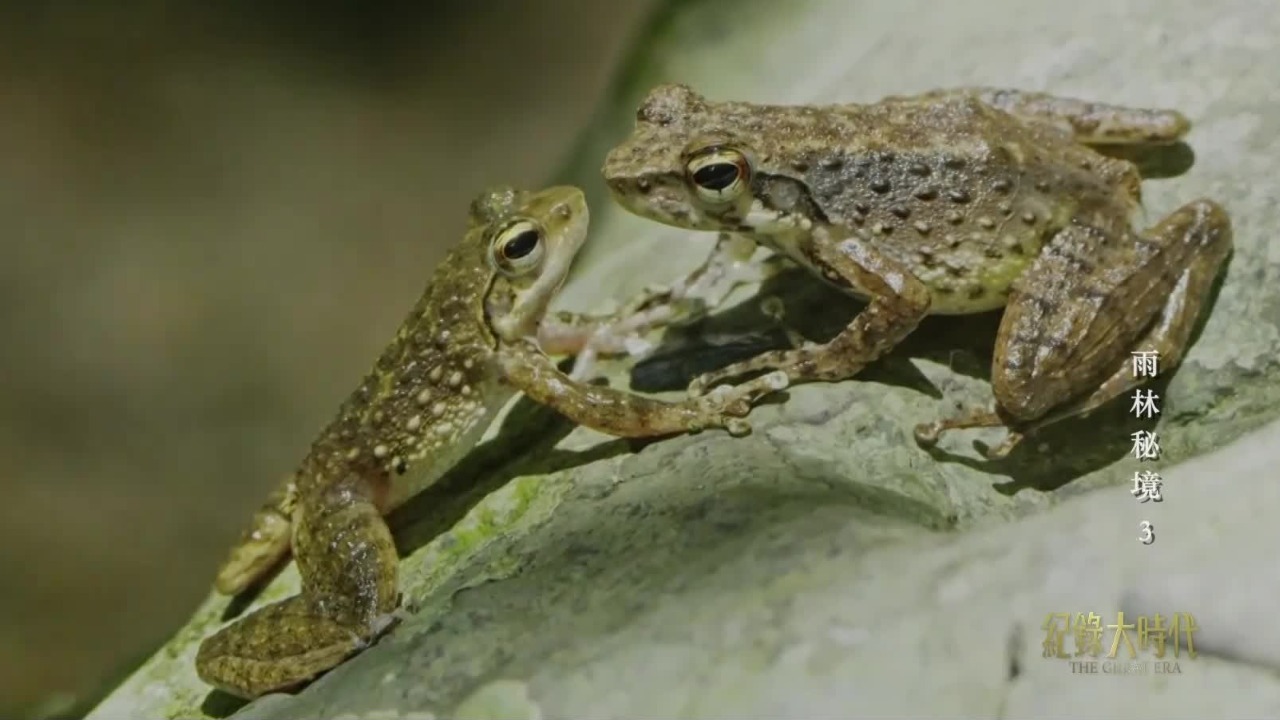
(1091, 300)
(348, 564)
(729, 265)
(588, 337)
(899, 300)
(1089, 123)
(627, 414)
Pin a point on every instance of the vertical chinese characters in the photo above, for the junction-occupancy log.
(1147, 484)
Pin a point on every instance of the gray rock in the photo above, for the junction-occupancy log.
(825, 565)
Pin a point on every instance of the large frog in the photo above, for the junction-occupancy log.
(950, 202)
(473, 341)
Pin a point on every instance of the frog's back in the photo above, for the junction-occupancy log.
(963, 194)
(426, 400)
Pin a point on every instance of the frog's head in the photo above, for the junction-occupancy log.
(696, 164)
(529, 240)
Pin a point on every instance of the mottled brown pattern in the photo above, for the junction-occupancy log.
(950, 202)
(468, 345)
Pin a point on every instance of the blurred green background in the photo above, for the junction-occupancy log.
(212, 219)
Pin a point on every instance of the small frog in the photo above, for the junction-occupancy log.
(472, 342)
(950, 202)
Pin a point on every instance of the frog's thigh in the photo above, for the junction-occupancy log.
(1072, 329)
(344, 515)
(1090, 123)
(347, 599)
(1206, 229)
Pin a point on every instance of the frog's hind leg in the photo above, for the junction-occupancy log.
(263, 545)
(1091, 300)
(1089, 123)
(348, 564)
(1201, 233)
(256, 655)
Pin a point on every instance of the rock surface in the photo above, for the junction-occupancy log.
(825, 565)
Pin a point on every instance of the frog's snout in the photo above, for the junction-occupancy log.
(630, 192)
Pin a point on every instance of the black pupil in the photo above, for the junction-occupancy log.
(521, 245)
(716, 176)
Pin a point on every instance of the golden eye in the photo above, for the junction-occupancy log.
(718, 174)
(517, 247)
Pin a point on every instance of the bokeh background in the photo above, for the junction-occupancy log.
(210, 222)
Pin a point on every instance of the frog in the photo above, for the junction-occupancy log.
(479, 334)
(953, 201)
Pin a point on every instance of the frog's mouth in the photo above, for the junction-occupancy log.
(665, 202)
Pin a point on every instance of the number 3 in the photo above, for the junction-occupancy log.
(1146, 532)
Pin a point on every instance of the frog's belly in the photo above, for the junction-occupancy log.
(961, 282)
(448, 444)
(964, 284)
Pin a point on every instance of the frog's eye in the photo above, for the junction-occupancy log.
(718, 174)
(518, 247)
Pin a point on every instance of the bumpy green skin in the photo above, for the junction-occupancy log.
(467, 347)
(422, 407)
(708, 572)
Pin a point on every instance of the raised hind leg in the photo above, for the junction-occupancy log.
(1090, 301)
(348, 564)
